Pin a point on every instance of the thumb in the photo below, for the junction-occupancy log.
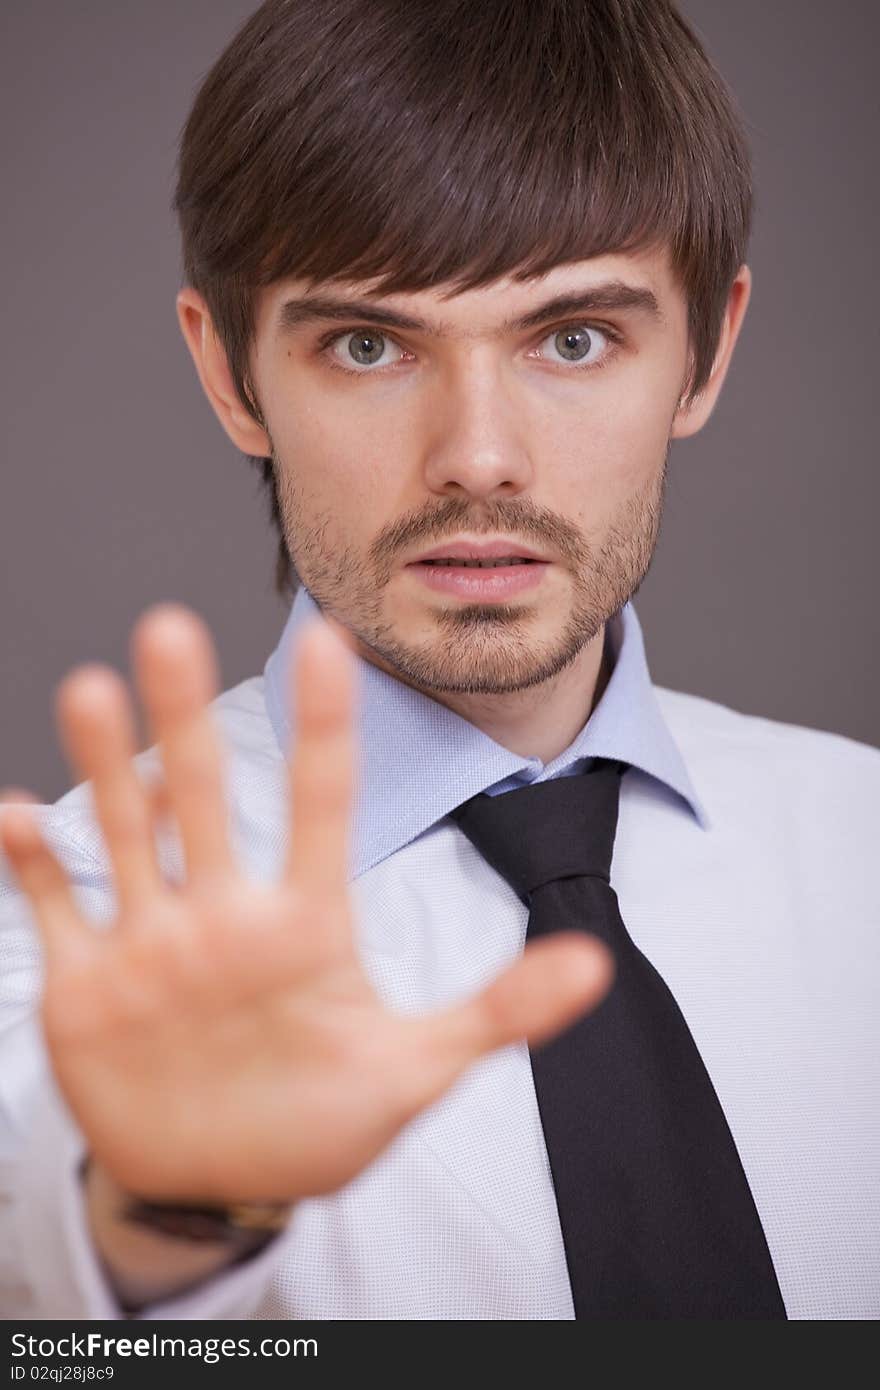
(554, 982)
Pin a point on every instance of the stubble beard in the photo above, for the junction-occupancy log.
(477, 649)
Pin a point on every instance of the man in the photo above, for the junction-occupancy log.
(455, 278)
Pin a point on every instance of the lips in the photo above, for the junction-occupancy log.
(479, 550)
(476, 583)
(480, 564)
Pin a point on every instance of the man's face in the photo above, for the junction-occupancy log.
(389, 441)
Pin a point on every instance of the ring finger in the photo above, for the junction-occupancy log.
(96, 724)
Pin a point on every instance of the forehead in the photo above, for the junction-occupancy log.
(642, 282)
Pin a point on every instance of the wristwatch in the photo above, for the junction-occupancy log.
(243, 1227)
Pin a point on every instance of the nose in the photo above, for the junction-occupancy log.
(476, 437)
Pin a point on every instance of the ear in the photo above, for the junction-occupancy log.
(214, 374)
(689, 419)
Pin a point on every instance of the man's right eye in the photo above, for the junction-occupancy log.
(358, 350)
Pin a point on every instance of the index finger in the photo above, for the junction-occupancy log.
(322, 761)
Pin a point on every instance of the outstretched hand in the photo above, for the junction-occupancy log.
(220, 1040)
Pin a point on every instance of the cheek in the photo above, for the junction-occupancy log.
(336, 455)
(607, 456)
(614, 445)
(339, 475)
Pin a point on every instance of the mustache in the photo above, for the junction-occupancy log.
(540, 531)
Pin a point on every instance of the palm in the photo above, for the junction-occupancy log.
(221, 1040)
(273, 1060)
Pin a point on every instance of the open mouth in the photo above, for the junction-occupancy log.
(483, 581)
(481, 564)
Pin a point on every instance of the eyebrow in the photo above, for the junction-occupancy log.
(609, 295)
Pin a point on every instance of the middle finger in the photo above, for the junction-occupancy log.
(176, 669)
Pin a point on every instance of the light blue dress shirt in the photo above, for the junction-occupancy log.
(419, 759)
(744, 867)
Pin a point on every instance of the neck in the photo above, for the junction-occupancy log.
(541, 721)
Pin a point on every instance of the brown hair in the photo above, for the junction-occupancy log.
(437, 142)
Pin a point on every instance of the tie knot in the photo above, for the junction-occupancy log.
(563, 828)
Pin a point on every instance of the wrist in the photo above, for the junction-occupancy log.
(241, 1228)
(151, 1248)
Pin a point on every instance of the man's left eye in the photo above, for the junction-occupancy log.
(577, 343)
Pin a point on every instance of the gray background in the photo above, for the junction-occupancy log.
(119, 488)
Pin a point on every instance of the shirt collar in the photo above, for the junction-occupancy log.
(419, 759)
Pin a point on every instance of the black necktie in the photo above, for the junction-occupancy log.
(657, 1217)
